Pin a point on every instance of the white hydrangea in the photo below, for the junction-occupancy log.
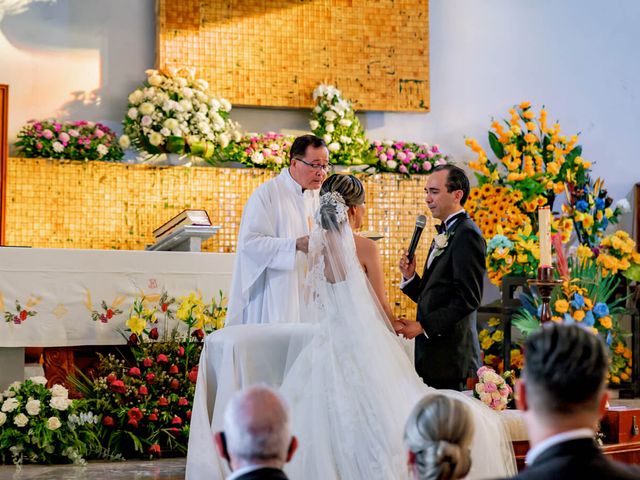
(3, 418)
(58, 147)
(102, 150)
(257, 158)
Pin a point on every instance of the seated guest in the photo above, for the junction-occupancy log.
(563, 394)
(256, 440)
(438, 435)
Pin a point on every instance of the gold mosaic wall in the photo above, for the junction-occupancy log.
(100, 205)
(275, 53)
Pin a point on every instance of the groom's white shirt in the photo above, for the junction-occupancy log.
(268, 271)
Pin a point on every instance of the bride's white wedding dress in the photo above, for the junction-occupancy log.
(352, 387)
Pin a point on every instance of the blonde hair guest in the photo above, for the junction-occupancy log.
(438, 435)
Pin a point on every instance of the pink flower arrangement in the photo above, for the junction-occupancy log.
(80, 140)
(407, 158)
(264, 150)
(492, 389)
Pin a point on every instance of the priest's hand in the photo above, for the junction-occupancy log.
(411, 330)
(407, 268)
(302, 244)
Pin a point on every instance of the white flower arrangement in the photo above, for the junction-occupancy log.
(334, 120)
(173, 112)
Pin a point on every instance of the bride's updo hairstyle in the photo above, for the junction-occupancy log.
(350, 193)
(439, 432)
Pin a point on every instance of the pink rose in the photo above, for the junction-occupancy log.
(482, 370)
(390, 152)
(490, 387)
(383, 157)
(39, 146)
(48, 134)
(99, 133)
(426, 166)
(73, 133)
(403, 169)
(441, 161)
(64, 137)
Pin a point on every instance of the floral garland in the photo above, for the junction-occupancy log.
(80, 140)
(173, 112)
(334, 120)
(407, 158)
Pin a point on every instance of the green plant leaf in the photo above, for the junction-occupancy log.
(496, 146)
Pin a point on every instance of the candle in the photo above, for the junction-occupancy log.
(544, 234)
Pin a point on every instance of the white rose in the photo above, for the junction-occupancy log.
(33, 407)
(327, 138)
(225, 104)
(330, 127)
(102, 150)
(387, 143)
(334, 147)
(165, 132)
(169, 105)
(223, 139)
(21, 420)
(329, 115)
(136, 97)
(345, 123)
(277, 159)
(181, 81)
(346, 140)
(60, 403)
(58, 147)
(156, 139)
(313, 124)
(10, 404)
(485, 398)
(155, 80)
(317, 109)
(59, 391)
(53, 423)
(237, 136)
(132, 113)
(623, 205)
(214, 104)
(146, 121)
(124, 141)
(147, 108)
(319, 91)
(187, 92)
(3, 418)
(39, 380)
(440, 240)
(202, 84)
(186, 105)
(257, 158)
(392, 164)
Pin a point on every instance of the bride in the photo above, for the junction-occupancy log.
(352, 386)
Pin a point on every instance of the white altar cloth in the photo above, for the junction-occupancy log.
(63, 287)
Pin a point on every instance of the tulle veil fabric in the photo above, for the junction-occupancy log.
(352, 386)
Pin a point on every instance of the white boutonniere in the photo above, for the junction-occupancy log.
(441, 241)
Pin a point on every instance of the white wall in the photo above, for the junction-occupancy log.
(79, 59)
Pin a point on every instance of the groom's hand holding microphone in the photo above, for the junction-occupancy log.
(408, 269)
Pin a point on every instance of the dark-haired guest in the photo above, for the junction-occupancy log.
(563, 394)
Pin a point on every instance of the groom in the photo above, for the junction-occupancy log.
(450, 290)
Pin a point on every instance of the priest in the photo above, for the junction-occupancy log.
(270, 262)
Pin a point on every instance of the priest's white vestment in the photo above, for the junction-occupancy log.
(268, 273)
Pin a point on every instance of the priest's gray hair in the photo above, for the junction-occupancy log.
(439, 432)
(256, 425)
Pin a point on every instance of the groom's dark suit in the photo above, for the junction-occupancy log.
(448, 295)
(576, 459)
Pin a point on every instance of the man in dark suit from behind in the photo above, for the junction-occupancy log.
(449, 292)
(563, 394)
(256, 441)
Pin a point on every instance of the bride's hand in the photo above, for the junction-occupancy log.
(398, 325)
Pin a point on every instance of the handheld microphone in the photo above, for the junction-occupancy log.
(421, 221)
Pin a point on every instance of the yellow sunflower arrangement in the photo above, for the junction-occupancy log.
(617, 253)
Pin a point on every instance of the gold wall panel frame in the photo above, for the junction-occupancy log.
(275, 52)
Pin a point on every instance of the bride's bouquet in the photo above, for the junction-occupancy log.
(492, 389)
(174, 112)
